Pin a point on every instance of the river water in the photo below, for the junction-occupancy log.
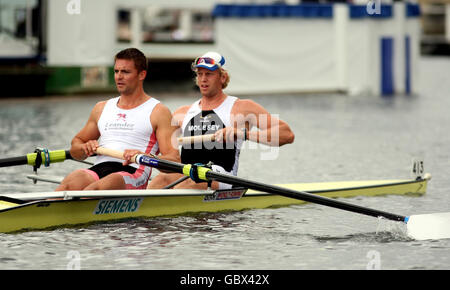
(338, 137)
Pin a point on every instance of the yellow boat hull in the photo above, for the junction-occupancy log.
(43, 214)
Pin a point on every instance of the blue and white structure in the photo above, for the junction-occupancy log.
(269, 48)
(320, 47)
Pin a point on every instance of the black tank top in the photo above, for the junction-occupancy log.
(199, 122)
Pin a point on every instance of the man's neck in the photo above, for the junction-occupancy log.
(212, 102)
(130, 101)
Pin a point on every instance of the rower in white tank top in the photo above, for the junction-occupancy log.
(122, 129)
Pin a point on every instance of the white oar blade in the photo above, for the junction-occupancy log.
(429, 226)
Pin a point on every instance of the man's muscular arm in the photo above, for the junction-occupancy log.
(84, 144)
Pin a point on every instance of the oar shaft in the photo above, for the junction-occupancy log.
(13, 161)
(305, 196)
(207, 174)
(30, 158)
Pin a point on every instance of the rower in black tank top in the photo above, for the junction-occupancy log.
(220, 153)
(198, 122)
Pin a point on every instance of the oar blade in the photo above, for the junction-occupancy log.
(429, 226)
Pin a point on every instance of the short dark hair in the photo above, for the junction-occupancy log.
(139, 58)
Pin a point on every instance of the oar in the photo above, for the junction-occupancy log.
(46, 157)
(419, 227)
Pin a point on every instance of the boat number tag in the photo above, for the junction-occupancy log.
(225, 194)
(417, 168)
(118, 205)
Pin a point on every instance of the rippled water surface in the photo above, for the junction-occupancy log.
(338, 137)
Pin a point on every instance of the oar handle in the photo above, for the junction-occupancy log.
(196, 139)
(113, 153)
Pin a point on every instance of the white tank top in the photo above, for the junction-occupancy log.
(122, 129)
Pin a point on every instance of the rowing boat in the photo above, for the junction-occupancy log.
(48, 210)
(36, 211)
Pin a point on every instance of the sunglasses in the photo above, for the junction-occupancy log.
(206, 60)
